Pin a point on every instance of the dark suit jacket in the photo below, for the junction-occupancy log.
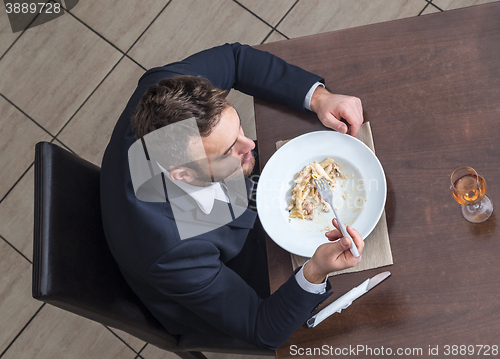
(185, 283)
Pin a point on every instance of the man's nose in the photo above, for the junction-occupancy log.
(246, 145)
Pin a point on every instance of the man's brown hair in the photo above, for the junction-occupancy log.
(193, 104)
(179, 98)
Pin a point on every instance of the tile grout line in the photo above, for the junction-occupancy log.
(12, 188)
(254, 14)
(21, 34)
(267, 36)
(51, 135)
(89, 96)
(124, 342)
(425, 7)
(54, 137)
(32, 163)
(25, 114)
(15, 184)
(140, 351)
(62, 143)
(101, 36)
(279, 22)
(146, 29)
(14, 248)
(22, 330)
(273, 28)
(124, 55)
(17, 38)
(437, 7)
(284, 16)
(282, 34)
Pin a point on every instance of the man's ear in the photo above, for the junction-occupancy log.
(182, 174)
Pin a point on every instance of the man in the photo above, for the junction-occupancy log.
(206, 282)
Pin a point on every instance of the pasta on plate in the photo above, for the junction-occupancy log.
(305, 196)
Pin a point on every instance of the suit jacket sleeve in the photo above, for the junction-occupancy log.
(248, 70)
(218, 295)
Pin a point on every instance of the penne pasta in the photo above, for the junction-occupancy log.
(305, 197)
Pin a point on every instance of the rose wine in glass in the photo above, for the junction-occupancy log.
(469, 189)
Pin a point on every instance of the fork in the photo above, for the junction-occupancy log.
(326, 193)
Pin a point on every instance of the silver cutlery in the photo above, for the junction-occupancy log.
(326, 193)
(347, 299)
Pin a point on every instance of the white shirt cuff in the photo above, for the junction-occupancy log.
(308, 286)
(307, 100)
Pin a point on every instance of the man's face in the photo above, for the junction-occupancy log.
(227, 147)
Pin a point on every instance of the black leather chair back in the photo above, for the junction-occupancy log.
(73, 268)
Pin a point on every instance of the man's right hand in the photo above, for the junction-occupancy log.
(331, 108)
(332, 257)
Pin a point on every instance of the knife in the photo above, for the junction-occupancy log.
(347, 299)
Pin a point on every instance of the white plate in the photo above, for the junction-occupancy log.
(359, 199)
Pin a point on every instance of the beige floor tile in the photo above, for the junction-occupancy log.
(17, 306)
(119, 21)
(89, 131)
(24, 16)
(152, 352)
(275, 36)
(16, 215)
(455, 4)
(270, 11)
(53, 68)
(244, 105)
(430, 10)
(134, 342)
(317, 16)
(7, 37)
(189, 26)
(18, 136)
(63, 145)
(55, 333)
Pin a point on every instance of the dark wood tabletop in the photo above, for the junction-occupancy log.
(430, 87)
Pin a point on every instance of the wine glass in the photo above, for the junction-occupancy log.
(469, 189)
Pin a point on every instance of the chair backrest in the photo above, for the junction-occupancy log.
(73, 268)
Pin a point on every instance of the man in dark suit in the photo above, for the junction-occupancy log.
(212, 280)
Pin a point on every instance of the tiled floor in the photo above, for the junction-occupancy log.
(67, 81)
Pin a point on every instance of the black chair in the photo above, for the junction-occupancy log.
(73, 268)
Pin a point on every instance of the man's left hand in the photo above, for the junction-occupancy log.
(331, 108)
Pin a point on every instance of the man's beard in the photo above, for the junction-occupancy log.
(205, 177)
(251, 163)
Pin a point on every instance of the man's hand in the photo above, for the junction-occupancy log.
(330, 108)
(332, 257)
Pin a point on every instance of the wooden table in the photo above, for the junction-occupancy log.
(430, 87)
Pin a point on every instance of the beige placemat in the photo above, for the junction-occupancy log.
(377, 252)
